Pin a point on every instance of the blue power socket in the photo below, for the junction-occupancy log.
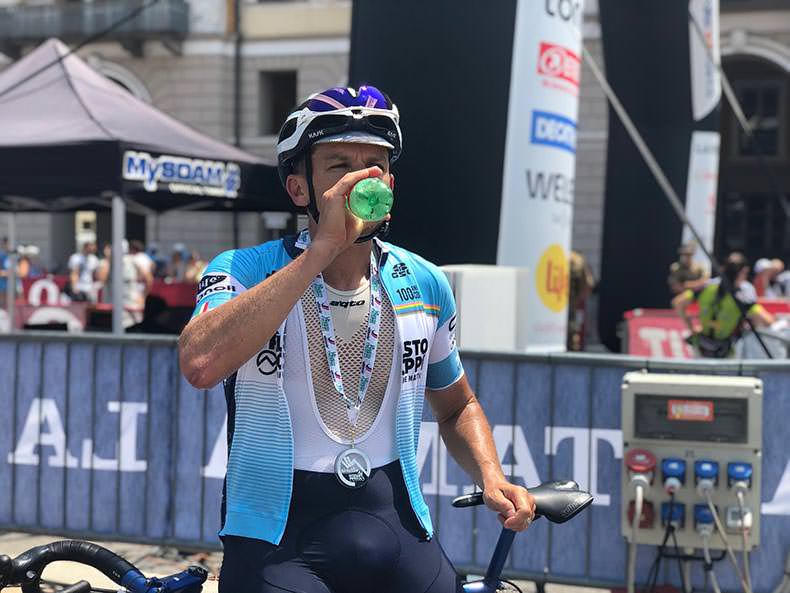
(705, 469)
(678, 514)
(674, 468)
(738, 471)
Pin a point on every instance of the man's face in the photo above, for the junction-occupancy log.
(90, 248)
(685, 259)
(332, 160)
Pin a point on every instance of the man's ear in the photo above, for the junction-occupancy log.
(296, 186)
(392, 181)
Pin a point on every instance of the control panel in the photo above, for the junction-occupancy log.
(691, 442)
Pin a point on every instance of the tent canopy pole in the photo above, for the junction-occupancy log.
(116, 267)
(11, 278)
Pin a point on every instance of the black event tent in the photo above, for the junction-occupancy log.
(68, 136)
(72, 139)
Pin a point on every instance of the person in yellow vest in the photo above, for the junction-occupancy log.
(723, 302)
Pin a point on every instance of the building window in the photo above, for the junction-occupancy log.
(755, 223)
(762, 104)
(276, 98)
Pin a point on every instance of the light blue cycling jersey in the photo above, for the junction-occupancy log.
(260, 459)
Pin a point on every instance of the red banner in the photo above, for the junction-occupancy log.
(48, 291)
(659, 333)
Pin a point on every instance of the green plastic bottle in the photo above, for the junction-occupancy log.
(370, 199)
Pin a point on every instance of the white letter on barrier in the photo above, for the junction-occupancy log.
(506, 436)
(129, 412)
(42, 411)
(780, 503)
(580, 437)
(615, 439)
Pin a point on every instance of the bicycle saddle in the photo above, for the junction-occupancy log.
(559, 501)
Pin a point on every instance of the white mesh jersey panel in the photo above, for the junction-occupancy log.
(330, 406)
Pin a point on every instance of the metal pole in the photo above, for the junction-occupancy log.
(11, 278)
(118, 234)
(237, 74)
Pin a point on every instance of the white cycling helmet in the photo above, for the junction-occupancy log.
(364, 115)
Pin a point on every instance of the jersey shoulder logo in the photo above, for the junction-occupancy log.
(216, 283)
(400, 270)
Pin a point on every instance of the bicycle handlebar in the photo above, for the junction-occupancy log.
(558, 501)
(26, 569)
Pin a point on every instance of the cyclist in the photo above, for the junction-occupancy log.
(330, 340)
(721, 313)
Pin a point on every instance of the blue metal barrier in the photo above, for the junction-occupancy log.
(102, 438)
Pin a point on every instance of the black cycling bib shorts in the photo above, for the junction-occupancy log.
(339, 540)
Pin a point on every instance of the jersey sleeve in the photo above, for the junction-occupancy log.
(227, 276)
(444, 363)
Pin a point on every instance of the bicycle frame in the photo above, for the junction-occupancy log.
(557, 501)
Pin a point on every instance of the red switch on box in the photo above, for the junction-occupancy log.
(648, 515)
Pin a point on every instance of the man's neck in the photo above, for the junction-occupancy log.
(350, 268)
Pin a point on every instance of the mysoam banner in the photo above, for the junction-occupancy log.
(540, 159)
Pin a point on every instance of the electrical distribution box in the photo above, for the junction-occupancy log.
(690, 428)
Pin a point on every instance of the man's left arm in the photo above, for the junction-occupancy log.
(465, 430)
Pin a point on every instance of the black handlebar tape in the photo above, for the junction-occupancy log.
(111, 565)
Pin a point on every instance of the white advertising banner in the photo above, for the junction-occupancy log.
(701, 190)
(540, 159)
(705, 82)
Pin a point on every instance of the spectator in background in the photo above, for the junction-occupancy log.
(770, 279)
(160, 262)
(195, 268)
(722, 308)
(144, 264)
(4, 259)
(133, 280)
(686, 274)
(82, 267)
(29, 265)
(582, 284)
(177, 268)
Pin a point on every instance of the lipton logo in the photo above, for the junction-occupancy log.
(551, 278)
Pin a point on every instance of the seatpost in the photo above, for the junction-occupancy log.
(500, 555)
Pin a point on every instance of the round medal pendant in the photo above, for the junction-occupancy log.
(352, 468)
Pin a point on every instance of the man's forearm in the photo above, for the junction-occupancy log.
(468, 437)
(216, 344)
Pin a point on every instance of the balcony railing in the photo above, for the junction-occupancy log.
(77, 20)
(742, 5)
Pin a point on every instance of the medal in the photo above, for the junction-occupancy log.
(352, 468)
